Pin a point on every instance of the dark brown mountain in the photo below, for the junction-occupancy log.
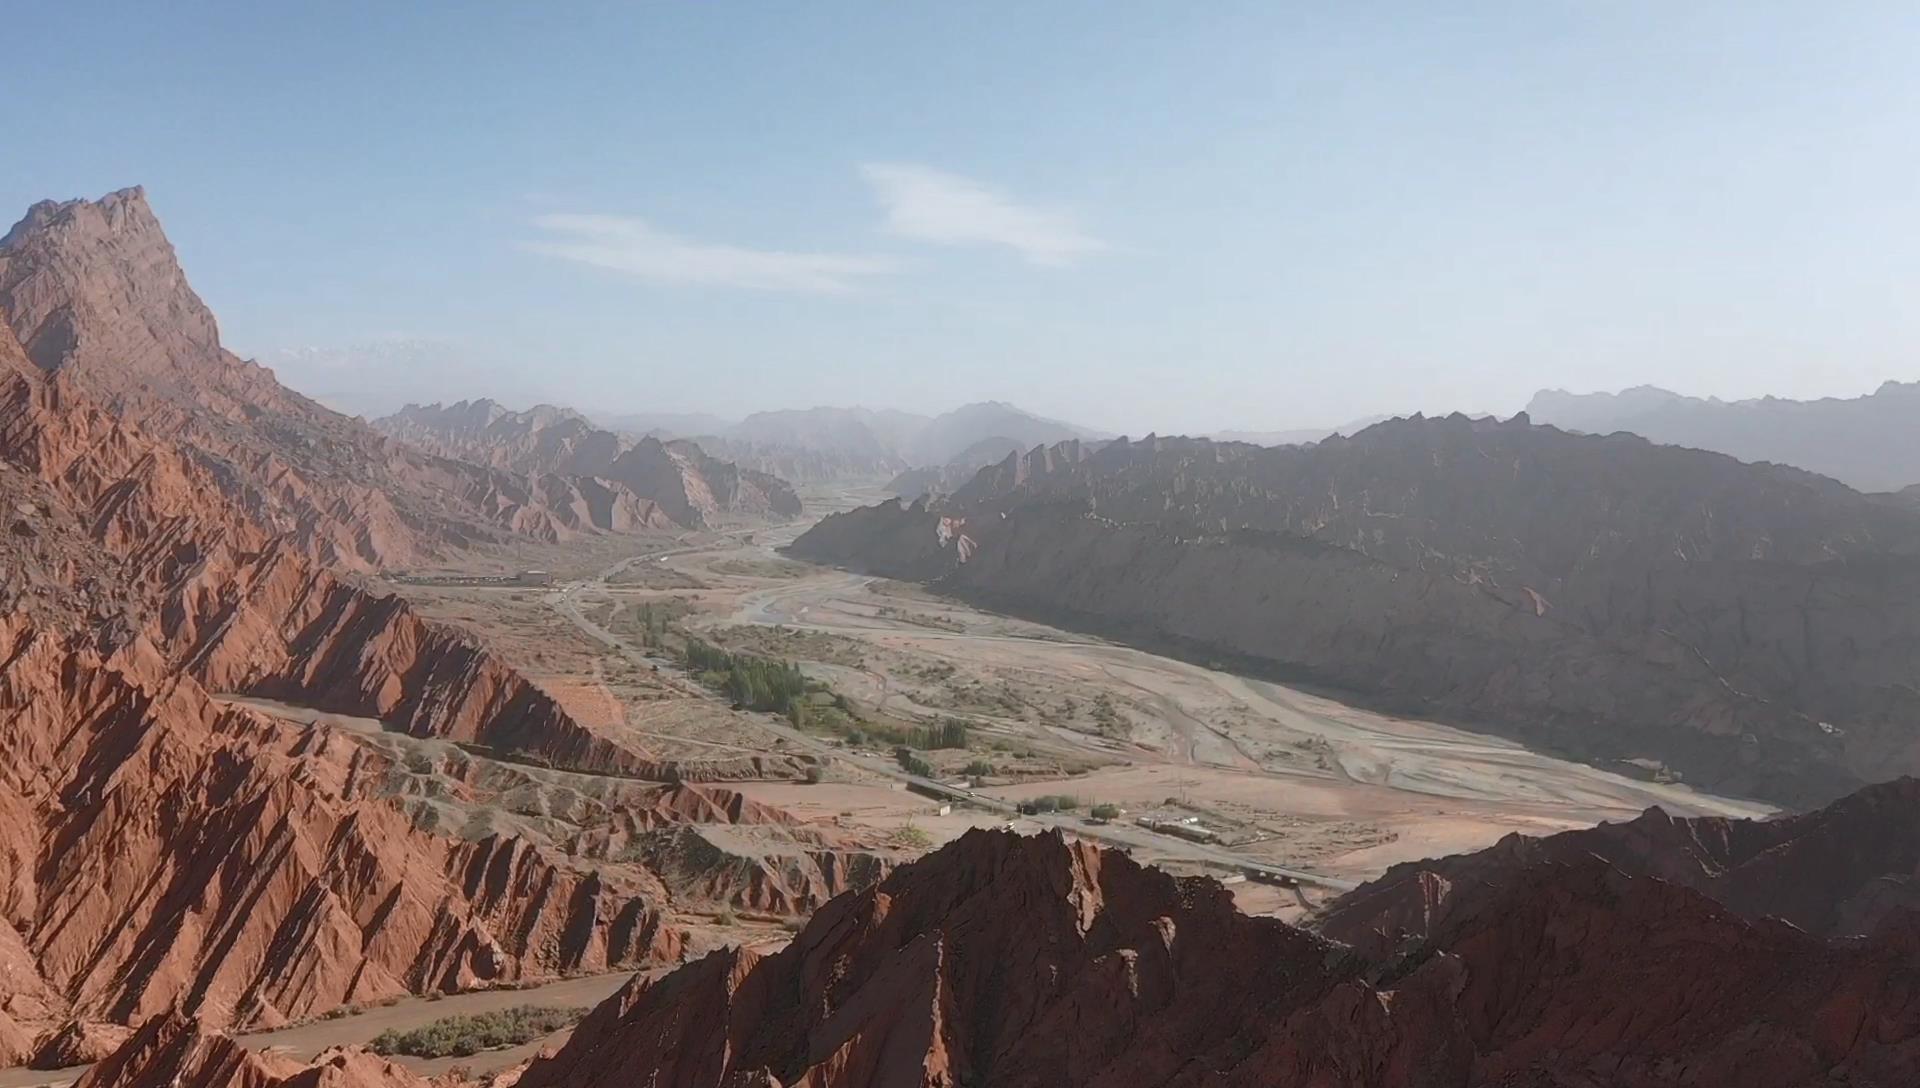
(941, 479)
(1849, 869)
(1753, 628)
(693, 488)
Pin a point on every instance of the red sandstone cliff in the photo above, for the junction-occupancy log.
(169, 517)
(100, 306)
(1033, 962)
(171, 852)
(178, 1052)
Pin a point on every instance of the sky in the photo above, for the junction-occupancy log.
(1137, 216)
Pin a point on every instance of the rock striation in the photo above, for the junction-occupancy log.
(1034, 961)
(1653, 960)
(172, 1051)
(101, 308)
(179, 529)
(1751, 628)
(171, 851)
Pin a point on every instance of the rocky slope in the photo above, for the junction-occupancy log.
(132, 530)
(99, 304)
(678, 477)
(171, 536)
(1031, 961)
(942, 479)
(1865, 442)
(168, 850)
(1755, 629)
(1649, 961)
(181, 1052)
(1847, 869)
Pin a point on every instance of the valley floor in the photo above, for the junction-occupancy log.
(304, 1041)
(1293, 780)
(1304, 794)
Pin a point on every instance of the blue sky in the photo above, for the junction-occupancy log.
(1136, 215)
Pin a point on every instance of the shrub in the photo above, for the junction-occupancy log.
(909, 837)
(460, 1036)
(1051, 802)
(911, 763)
(979, 768)
(1104, 811)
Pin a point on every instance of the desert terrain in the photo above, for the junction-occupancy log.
(1292, 780)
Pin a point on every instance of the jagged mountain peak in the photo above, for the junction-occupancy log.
(95, 284)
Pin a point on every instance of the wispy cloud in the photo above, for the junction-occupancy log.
(634, 247)
(930, 205)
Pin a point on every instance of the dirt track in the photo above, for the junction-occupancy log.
(1344, 790)
(303, 1041)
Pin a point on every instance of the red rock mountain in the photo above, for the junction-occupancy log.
(693, 488)
(1754, 629)
(169, 527)
(178, 1052)
(1034, 962)
(1650, 962)
(93, 293)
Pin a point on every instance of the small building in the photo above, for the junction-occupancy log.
(534, 578)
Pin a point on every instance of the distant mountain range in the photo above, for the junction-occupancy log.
(1865, 442)
(1750, 628)
(694, 488)
(808, 445)
(1298, 436)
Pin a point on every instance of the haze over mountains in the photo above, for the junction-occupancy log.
(186, 546)
(1866, 442)
(179, 532)
(1750, 627)
(691, 487)
(810, 445)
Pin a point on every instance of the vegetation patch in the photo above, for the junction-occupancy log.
(648, 621)
(909, 837)
(1052, 802)
(756, 683)
(460, 1036)
(913, 763)
(760, 568)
